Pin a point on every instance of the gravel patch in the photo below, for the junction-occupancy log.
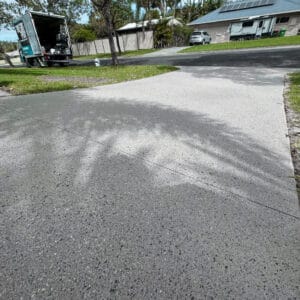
(75, 79)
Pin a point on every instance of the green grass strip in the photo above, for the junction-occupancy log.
(294, 94)
(266, 42)
(27, 81)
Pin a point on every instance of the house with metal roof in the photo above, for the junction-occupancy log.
(247, 19)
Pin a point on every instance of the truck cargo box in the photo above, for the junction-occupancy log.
(43, 39)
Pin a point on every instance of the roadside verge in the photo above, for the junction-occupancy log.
(20, 81)
(292, 109)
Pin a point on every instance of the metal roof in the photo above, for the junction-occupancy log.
(279, 7)
(131, 26)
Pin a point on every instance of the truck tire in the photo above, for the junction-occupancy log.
(29, 62)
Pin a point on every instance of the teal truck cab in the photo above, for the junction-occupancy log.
(44, 39)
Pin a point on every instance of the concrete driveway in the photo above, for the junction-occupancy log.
(176, 186)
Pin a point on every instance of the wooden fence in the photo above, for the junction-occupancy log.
(132, 41)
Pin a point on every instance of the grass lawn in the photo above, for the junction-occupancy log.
(294, 93)
(267, 42)
(38, 80)
(293, 119)
(124, 54)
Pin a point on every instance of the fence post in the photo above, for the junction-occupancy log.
(78, 49)
(95, 47)
(124, 49)
(137, 40)
(103, 46)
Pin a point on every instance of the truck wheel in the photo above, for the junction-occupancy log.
(29, 62)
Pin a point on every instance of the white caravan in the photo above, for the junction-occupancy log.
(252, 28)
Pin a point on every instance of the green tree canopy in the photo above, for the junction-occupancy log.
(5, 15)
(83, 34)
(71, 9)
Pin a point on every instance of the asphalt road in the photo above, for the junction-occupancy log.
(284, 57)
(173, 187)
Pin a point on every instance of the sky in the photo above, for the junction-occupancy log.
(8, 35)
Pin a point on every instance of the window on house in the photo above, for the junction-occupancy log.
(248, 24)
(282, 20)
(261, 24)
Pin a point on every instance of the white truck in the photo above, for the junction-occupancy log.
(43, 39)
(252, 28)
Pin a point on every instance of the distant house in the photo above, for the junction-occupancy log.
(145, 25)
(247, 19)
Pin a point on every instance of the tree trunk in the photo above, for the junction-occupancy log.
(108, 23)
(118, 43)
(104, 8)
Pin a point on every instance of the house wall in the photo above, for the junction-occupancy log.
(219, 32)
(132, 41)
(292, 26)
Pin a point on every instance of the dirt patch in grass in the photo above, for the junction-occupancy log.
(293, 122)
(75, 79)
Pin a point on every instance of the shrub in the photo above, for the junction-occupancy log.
(84, 35)
(165, 36)
(181, 35)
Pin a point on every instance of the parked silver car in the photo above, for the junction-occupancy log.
(199, 37)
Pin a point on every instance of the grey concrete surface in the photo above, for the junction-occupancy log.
(177, 186)
(164, 52)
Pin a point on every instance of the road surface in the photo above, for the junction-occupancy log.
(281, 57)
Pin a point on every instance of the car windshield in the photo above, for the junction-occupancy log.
(196, 33)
